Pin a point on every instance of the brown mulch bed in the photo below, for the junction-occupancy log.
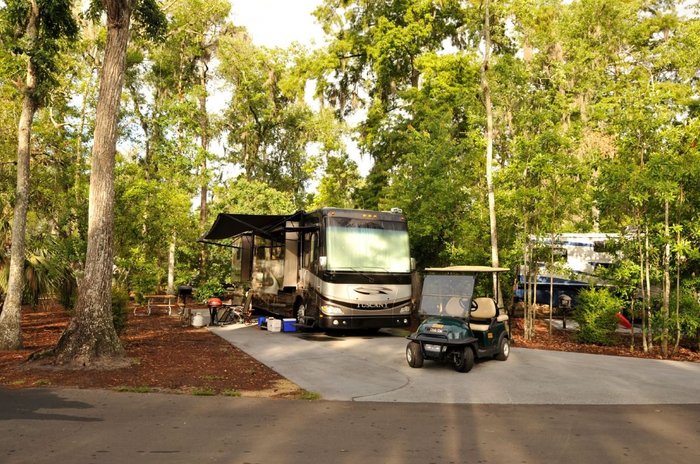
(164, 355)
(565, 340)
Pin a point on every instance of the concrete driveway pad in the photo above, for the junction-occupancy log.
(373, 368)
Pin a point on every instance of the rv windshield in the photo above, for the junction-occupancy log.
(367, 245)
(447, 295)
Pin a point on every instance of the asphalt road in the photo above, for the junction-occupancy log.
(374, 368)
(84, 426)
(537, 407)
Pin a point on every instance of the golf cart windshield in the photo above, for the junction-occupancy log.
(447, 295)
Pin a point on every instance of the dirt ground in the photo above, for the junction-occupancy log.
(164, 355)
(167, 357)
(564, 340)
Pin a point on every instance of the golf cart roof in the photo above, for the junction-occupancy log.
(467, 269)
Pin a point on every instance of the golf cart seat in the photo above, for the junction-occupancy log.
(483, 315)
(453, 308)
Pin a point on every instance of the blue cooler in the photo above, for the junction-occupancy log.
(289, 325)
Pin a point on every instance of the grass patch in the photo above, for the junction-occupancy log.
(234, 393)
(42, 382)
(203, 392)
(18, 382)
(309, 395)
(134, 389)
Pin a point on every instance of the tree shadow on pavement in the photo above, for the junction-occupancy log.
(38, 404)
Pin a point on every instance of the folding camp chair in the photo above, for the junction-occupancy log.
(241, 314)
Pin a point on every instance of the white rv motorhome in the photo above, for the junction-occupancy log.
(578, 257)
(329, 268)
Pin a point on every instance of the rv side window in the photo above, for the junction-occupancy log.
(310, 248)
(314, 247)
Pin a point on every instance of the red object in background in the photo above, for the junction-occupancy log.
(213, 302)
(623, 320)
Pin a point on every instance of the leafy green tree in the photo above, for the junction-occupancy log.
(439, 180)
(168, 83)
(34, 29)
(196, 29)
(90, 338)
(645, 107)
(339, 184)
(243, 196)
(270, 127)
(372, 58)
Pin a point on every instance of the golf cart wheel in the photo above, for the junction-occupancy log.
(414, 355)
(463, 360)
(503, 348)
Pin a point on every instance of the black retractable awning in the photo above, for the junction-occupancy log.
(233, 225)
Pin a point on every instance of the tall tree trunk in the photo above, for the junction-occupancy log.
(551, 282)
(665, 312)
(204, 143)
(11, 315)
(647, 277)
(489, 145)
(171, 265)
(90, 339)
(679, 260)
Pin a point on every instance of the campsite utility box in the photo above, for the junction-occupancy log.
(274, 325)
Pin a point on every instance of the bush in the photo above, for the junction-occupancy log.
(209, 289)
(67, 290)
(120, 302)
(596, 315)
(689, 314)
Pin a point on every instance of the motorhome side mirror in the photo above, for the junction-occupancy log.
(322, 262)
(413, 264)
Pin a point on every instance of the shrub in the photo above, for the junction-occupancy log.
(120, 302)
(596, 315)
(689, 314)
(67, 290)
(209, 289)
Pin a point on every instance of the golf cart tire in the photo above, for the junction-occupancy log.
(503, 348)
(464, 361)
(414, 354)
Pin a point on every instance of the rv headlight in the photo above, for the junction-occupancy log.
(331, 310)
(405, 310)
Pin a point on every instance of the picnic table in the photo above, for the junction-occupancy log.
(154, 300)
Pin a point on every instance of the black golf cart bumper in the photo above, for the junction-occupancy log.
(437, 348)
